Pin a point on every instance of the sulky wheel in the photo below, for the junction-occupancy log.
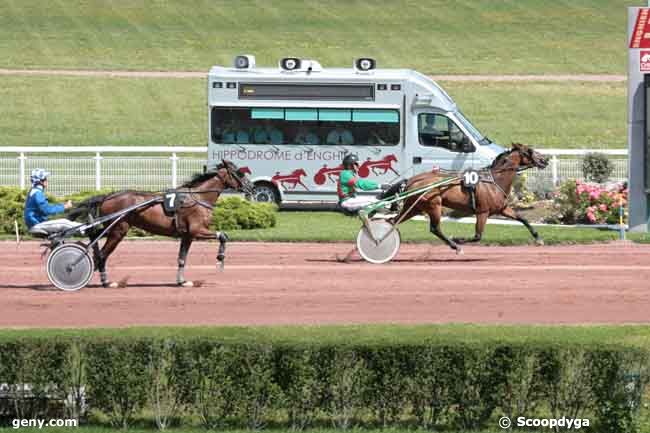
(380, 246)
(69, 267)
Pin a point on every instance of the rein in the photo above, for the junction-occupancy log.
(203, 203)
(491, 171)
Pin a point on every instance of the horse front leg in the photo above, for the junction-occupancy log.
(222, 237)
(508, 212)
(186, 243)
(221, 255)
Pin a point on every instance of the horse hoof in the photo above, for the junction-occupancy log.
(110, 285)
(459, 251)
(539, 242)
(187, 284)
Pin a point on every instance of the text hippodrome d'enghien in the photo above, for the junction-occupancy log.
(279, 155)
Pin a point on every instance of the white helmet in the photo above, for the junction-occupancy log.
(38, 176)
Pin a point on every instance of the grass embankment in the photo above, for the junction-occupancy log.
(76, 111)
(535, 36)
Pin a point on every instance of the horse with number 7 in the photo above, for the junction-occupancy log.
(184, 213)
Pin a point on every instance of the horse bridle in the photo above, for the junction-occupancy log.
(520, 169)
(205, 204)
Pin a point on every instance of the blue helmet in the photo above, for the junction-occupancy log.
(38, 176)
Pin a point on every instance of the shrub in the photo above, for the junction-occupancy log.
(301, 384)
(234, 213)
(578, 202)
(166, 388)
(119, 376)
(614, 404)
(12, 205)
(597, 167)
(524, 386)
(347, 378)
(257, 389)
(430, 384)
(34, 373)
(569, 392)
(211, 389)
(480, 374)
(234, 382)
(386, 391)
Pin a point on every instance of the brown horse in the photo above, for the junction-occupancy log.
(193, 213)
(491, 194)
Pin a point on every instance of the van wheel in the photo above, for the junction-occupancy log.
(265, 193)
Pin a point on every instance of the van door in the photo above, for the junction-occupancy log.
(440, 143)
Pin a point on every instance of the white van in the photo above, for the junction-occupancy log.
(290, 127)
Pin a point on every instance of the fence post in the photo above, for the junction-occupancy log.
(174, 159)
(98, 171)
(554, 169)
(22, 158)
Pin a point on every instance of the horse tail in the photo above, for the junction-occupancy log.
(89, 206)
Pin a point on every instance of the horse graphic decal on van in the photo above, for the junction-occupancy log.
(378, 167)
(290, 181)
(331, 173)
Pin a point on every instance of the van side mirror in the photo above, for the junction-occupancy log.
(467, 145)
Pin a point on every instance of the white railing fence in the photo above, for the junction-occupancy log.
(77, 169)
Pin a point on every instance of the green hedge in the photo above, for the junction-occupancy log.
(234, 213)
(230, 383)
(229, 214)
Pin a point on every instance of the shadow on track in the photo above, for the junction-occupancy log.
(423, 260)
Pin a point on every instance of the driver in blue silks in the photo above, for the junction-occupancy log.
(37, 208)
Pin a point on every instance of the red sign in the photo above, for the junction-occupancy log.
(644, 60)
(641, 33)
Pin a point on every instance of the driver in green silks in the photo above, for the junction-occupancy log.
(349, 182)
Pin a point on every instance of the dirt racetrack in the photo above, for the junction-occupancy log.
(282, 283)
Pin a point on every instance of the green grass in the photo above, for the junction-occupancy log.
(616, 335)
(142, 112)
(95, 112)
(552, 115)
(465, 36)
(335, 227)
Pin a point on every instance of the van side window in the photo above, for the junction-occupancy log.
(305, 126)
(437, 130)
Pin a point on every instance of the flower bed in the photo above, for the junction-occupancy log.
(578, 202)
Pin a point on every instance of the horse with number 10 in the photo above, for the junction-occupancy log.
(492, 190)
(481, 192)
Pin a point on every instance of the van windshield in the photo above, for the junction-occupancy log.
(475, 133)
